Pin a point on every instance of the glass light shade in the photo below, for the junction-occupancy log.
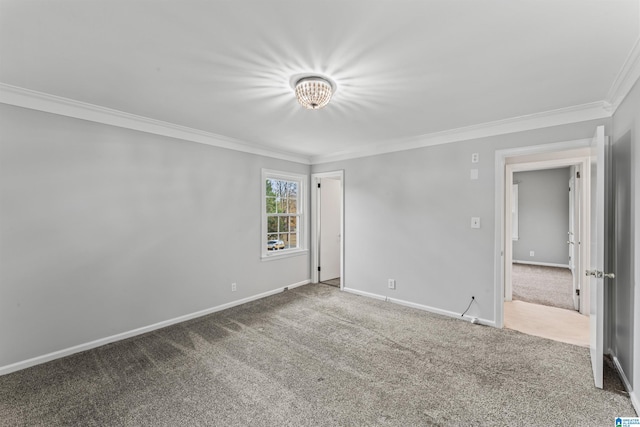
(313, 93)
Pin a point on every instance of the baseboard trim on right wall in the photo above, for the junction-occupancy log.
(635, 401)
(422, 307)
(543, 264)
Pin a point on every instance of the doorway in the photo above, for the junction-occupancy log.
(592, 155)
(573, 155)
(327, 223)
(543, 290)
(544, 236)
(574, 237)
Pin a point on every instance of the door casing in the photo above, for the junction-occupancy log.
(514, 165)
(528, 158)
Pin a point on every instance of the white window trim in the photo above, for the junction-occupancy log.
(302, 222)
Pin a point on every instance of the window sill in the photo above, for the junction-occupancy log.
(284, 254)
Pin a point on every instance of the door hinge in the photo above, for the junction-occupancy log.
(578, 174)
(318, 268)
(318, 185)
(577, 292)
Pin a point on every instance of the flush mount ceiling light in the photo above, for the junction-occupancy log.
(313, 92)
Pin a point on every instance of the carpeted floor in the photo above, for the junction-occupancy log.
(315, 356)
(332, 282)
(548, 322)
(538, 284)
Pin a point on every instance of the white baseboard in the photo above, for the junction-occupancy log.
(635, 401)
(124, 335)
(365, 294)
(544, 264)
(627, 385)
(420, 306)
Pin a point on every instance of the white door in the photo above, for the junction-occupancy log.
(330, 201)
(597, 253)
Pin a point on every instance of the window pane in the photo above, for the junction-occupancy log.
(271, 205)
(293, 240)
(284, 224)
(293, 205)
(292, 189)
(281, 188)
(270, 188)
(293, 223)
(272, 224)
(272, 237)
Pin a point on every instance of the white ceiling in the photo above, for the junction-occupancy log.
(402, 68)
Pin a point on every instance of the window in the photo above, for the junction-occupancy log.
(283, 198)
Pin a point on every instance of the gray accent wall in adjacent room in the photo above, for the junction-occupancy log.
(543, 216)
(104, 230)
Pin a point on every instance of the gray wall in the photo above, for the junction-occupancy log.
(624, 292)
(104, 230)
(543, 216)
(408, 214)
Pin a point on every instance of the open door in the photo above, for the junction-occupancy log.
(598, 240)
(327, 225)
(330, 200)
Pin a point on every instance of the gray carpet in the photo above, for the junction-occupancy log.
(552, 286)
(315, 356)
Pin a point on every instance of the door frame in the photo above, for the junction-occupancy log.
(575, 232)
(581, 164)
(315, 223)
(507, 161)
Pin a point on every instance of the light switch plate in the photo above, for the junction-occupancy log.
(474, 174)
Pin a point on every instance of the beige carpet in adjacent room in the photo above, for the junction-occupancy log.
(548, 322)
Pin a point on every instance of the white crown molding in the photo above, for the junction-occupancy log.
(626, 78)
(26, 98)
(35, 100)
(562, 116)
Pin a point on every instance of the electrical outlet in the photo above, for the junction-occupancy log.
(475, 222)
(532, 253)
(475, 157)
(233, 287)
(392, 283)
